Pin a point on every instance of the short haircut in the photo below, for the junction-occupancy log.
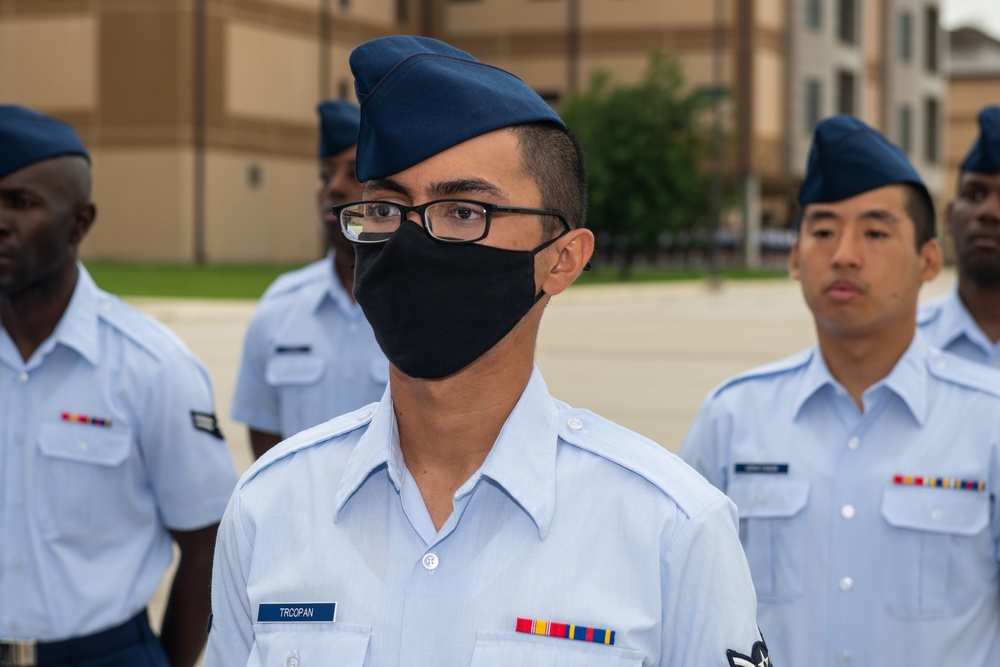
(920, 208)
(553, 158)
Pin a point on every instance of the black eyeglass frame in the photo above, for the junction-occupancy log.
(421, 210)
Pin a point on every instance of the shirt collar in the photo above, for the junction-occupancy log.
(521, 462)
(907, 379)
(335, 290)
(958, 321)
(79, 326)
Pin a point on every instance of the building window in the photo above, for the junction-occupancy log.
(846, 92)
(813, 104)
(847, 22)
(906, 128)
(814, 14)
(931, 29)
(931, 130)
(906, 36)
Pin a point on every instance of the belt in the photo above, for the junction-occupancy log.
(28, 653)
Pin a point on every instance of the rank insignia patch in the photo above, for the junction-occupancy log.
(758, 657)
(206, 421)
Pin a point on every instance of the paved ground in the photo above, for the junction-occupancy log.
(644, 356)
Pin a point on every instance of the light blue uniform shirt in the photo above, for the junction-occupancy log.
(85, 508)
(850, 567)
(309, 355)
(571, 519)
(946, 323)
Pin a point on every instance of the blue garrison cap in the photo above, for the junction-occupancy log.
(848, 158)
(420, 96)
(338, 126)
(27, 136)
(984, 156)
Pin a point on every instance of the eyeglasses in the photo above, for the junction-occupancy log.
(447, 220)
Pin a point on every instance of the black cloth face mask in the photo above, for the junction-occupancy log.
(436, 307)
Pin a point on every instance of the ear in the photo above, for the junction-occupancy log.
(793, 260)
(83, 220)
(574, 251)
(931, 260)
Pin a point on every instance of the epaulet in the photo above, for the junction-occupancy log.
(145, 332)
(295, 280)
(794, 362)
(930, 311)
(963, 372)
(638, 454)
(311, 437)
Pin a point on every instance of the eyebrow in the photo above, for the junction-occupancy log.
(475, 186)
(875, 214)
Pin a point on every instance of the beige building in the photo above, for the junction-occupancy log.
(200, 113)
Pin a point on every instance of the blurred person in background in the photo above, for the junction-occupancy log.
(309, 353)
(866, 469)
(966, 321)
(110, 452)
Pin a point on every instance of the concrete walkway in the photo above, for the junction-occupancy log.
(644, 356)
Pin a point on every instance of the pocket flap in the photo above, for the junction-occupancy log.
(766, 496)
(936, 510)
(294, 369)
(312, 643)
(83, 443)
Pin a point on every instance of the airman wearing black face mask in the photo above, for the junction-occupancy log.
(469, 517)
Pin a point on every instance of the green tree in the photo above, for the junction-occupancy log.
(646, 146)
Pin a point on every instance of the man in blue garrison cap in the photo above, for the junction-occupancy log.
(469, 518)
(865, 469)
(967, 320)
(309, 353)
(110, 452)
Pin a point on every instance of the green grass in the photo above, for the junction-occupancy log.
(248, 281)
(219, 281)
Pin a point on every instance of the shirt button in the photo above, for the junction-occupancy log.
(937, 513)
(18, 501)
(82, 446)
(293, 660)
(759, 499)
(844, 656)
(16, 564)
(846, 584)
(364, 415)
(19, 438)
(22, 377)
(940, 365)
(575, 424)
(349, 375)
(430, 562)
(352, 328)
(14, 626)
(854, 442)
(847, 511)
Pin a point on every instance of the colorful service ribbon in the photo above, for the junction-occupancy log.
(596, 635)
(941, 482)
(84, 419)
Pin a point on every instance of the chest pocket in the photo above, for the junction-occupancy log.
(294, 369)
(935, 546)
(79, 475)
(507, 649)
(773, 532)
(308, 644)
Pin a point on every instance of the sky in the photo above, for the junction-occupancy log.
(982, 14)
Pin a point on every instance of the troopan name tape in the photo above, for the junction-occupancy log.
(303, 612)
